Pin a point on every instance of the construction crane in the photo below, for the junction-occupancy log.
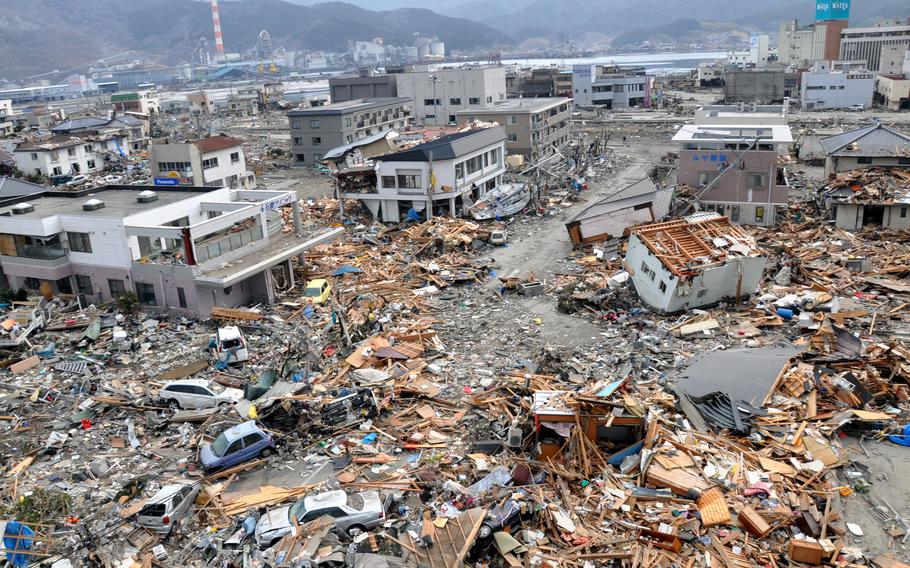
(264, 52)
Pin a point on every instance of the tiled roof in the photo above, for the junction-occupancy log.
(873, 140)
(219, 142)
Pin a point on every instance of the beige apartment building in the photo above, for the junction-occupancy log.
(531, 125)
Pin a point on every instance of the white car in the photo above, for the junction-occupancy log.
(112, 179)
(77, 180)
(195, 394)
(164, 510)
(353, 514)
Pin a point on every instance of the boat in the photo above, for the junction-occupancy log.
(503, 201)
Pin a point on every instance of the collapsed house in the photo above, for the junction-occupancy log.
(640, 202)
(878, 197)
(695, 261)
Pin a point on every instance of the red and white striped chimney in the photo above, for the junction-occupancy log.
(219, 43)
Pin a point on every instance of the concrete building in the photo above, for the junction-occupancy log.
(442, 176)
(436, 96)
(756, 56)
(802, 45)
(870, 44)
(610, 86)
(189, 249)
(795, 43)
(69, 154)
(542, 82)
(7, 126)
(696, 261)
(608, 218)
(829, 86)
(892, 91)
(316, 130)
(532, 126)
(366, 85)
(43, 93)
(141, 102)
(217, 161)
(762, 86)
(736, 170)
(871, 146)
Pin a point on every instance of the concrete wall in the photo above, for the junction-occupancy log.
(227, 173)
(353, 88)
(338, 129)
(850, 216)
(845, 164)
(456, 89)
(161, 153)
(753, 86)
(526, 133)
(836, 90)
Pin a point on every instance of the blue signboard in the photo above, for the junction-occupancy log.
(832, 10)
(167, 181)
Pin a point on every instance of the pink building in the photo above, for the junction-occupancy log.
(737, 170)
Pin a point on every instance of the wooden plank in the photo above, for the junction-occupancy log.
(235, 314)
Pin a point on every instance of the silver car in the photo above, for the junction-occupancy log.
(195, 394)
(352, 513)
(163, 511)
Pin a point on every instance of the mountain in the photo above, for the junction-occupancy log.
(682, 29)
(42, 35)
(611, 17)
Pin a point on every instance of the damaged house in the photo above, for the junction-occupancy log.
(640, 202)
(875, 145)
(447, 174)
(695, 261)
(877, 197)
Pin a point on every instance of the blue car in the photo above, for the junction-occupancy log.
(238, 444)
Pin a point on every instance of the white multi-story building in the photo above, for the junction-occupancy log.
(187, 248)
(871, 44)
(6, 111)
(69, 154)
(609, 86)
(445, 175)
(436, 95)
(834, 84)
(217, 161)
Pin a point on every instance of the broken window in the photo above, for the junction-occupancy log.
(662, 287)
(210, 163)
(702, 293)
(864, 160)
(317, 140)
(755, 180)
(474, 100)
(84, 284)
(388, 181)
(408, 181)
(734, 213)
(704, 178)
(116, 287)
(455, 101)
(145, 293)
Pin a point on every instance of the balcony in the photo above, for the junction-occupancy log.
(40, 252)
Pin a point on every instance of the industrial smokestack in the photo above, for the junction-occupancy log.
(219, 43)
